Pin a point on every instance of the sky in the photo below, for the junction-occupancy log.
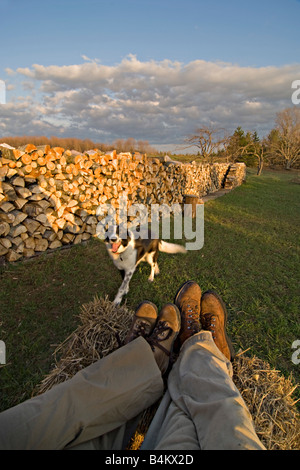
(153, 70)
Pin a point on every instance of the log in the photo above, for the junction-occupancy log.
(20, 202)
(20, 247)
(23, 192)
(4, 229)
(33, 209)
(3, 171)
(43, 219)
(7, 206)
(6, 151)
(28, 252)
(3, 250)
(67, 238)
(17, 230)
(50, 236)
(26, 159)
(18, 181)
(6, 242)
(12, 256)
(41, 244)
(18, 217)
(31, 225)
(8, 217)
(30, 243)
(55, 244)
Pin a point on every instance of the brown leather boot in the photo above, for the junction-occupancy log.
(144, 321)
(213, 318)
(187, 300)
(164, 334)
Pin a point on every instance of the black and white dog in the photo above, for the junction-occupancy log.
(128, 253)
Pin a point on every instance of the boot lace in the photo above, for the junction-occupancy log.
(159, 336)
(191, 310)
(208, 322)
(141, 328)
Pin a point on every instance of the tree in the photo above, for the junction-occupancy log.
(247, 147)
(257, 149)
(208, 140)
(284, 141)
(236, 145)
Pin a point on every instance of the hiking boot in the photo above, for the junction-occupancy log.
(164, 334)
(213, 318)
(187, 300)
(144, 321)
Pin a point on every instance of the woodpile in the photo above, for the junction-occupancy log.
(49, 196)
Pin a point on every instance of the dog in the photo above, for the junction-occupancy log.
(126, 255)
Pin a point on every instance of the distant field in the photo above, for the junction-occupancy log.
(250, 257)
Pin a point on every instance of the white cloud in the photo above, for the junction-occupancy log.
(157, 101)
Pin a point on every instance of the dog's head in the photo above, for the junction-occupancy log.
(113, 241)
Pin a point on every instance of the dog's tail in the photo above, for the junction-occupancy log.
(166, 247)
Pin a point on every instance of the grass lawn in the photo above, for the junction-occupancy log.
(250, 257)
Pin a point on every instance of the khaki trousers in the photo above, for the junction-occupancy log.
(202, 408)
(92, 409)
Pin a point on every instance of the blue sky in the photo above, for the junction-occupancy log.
(229, 63)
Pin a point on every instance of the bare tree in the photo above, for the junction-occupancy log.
(208, 140)
(284, 140)
(258, 150)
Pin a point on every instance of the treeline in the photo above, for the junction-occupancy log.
(82, 145)
(281, 147)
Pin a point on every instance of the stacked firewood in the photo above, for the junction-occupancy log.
(49, 196)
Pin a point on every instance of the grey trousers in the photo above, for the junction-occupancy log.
(202, 408)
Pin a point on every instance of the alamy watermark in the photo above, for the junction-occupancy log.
(296, 354)
(2, 92)
(296, 93)
(157, 220)
(2, 352)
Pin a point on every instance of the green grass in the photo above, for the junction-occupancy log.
(250, 257)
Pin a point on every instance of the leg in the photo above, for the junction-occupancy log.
(171, 429)
(96, 401)
(152, 260)
(124, 287)
(205, 410)
(122, 272)
(200, 384)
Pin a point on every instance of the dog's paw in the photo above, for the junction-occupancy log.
(150, 279)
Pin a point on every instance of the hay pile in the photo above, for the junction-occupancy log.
(269, 397)
(267, 394)
(102, 326)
